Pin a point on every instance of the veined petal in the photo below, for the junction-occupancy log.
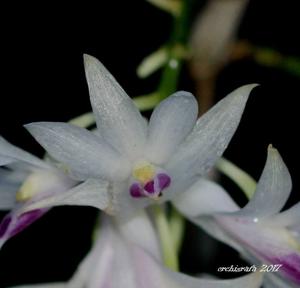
(10, 153)
(92, 193)
(118, 119)
(86, 154)
(170, 123)
(210, 136)
(273, 188)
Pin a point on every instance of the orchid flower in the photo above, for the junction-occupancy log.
(128, 163)
(127, 255)
(259, 231)
(25, 179)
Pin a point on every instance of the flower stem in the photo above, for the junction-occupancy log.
(177, 226)
(176, 51)
(170, 256)
(237, 175)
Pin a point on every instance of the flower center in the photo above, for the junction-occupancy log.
(148, 181)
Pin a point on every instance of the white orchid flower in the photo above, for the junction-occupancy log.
(259, 231)
(25, 179)
(127, 255)
(130, 163)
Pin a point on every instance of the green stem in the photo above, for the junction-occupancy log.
(146, 102)
(170, 257)
(238, 176)
(176, 45)
(177, 226)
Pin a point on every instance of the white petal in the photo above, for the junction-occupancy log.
(84, 153)
(140, 231)
(10, 153)
(273, 188)
(210, 136)
(90, 193)
(204, 198)
(169, 125)
(118, 119)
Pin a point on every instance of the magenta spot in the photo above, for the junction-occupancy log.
(136, 190)
(164, 180)
(4, 225)
(24, 220)
(149, 187)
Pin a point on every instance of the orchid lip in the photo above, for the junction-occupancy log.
(152, 188)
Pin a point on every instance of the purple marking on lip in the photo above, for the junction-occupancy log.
(164, 180)
(12, 224)
(149, 187)
(24, 220)
(4, 225)
(136, 190)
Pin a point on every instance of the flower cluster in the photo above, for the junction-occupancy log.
(129, 163)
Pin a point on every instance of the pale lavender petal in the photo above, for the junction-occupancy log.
(170, 123)
(273, 188)
(84, 153)
(208, 140)
(10, 153)
(118, 119)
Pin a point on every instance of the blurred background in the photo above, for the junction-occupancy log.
(43, 79)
